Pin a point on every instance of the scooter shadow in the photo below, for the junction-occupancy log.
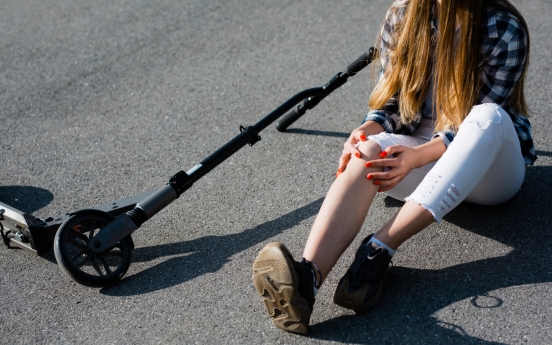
(27, 199)
(413, 296)
(206, 254)
(318, 133)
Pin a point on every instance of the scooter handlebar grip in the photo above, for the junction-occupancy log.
(363, 61)
(292, 116)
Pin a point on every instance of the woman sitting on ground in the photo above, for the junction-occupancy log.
(447, 124)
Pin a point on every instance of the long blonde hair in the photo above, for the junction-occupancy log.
(456, 67)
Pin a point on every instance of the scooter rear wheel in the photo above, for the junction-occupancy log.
(79, 261)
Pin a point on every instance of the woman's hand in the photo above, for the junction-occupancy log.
(401, 162)
(350, 148)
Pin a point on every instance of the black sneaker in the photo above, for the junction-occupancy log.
(286, 286)
(360, 288)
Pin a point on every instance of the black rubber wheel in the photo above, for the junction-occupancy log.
(81, 263)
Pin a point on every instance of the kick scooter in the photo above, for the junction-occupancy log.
(94, 246)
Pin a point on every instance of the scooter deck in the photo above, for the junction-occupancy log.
(25, 231)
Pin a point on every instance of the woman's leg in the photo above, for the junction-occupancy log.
(288, 287)
(343, 211)
(410, 220)
(483, 165)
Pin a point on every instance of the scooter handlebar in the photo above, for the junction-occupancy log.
(294, 114)
(363, 61)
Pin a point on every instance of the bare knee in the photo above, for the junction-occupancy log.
(369, 150)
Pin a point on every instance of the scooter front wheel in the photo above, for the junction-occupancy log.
(79, 261)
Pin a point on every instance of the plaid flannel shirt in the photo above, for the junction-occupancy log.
(504, 47)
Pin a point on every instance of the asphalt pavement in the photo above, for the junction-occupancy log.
(100, 100)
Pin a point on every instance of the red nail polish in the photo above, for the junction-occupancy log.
(357, 154)
(339, 170)
(383, 154)
(362, 137)
(377, 183)
(379, 190)
(370, 177)
(368, 164)
(337, 174)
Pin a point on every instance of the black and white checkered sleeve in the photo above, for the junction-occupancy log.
(506, 58)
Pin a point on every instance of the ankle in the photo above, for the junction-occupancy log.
(316, 274)
(375, 240)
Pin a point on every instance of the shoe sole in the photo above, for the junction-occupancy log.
(343, 300)
(275, 279)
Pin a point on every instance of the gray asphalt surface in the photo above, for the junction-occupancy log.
(107, 99)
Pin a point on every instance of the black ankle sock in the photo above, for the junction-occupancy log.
(316, 275)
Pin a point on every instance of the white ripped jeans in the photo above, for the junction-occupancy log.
(482, 165)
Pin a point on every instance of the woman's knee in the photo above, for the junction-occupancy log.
(486, 128)
(369, 150)
(483, 115)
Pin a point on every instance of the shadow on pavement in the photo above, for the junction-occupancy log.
(25, 198)
(404, 315)
(321, 133)
(543, 153)
(205, 254)
(413, 295)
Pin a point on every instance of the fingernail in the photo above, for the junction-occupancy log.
(377, 183)
(383, 154)
(362, 137)
(337, 174)
(339, 170)
(379, 190)
(357, 154)
(368, 164)
(370, 177)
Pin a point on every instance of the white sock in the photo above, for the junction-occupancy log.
(381, 244)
